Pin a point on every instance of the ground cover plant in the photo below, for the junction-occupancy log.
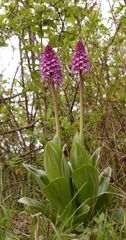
(92, 93)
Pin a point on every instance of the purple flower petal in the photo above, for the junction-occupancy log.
(80, 60)
(50, 67)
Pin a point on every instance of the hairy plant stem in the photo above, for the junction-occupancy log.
(81, 109)
(55, 102)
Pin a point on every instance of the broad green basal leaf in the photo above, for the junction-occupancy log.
(95, 157)
(82, 212)
(66, 170)
(104, 200)
(56, 140)
(86, 182)
(76, 138)
(36, 204)
(104, 180)
(59, 194)
(78, 156)
(39, 175)
(52, 161)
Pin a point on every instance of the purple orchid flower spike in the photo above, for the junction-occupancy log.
(50, 68)
(50, 71)
(80, 60)
(80, 65)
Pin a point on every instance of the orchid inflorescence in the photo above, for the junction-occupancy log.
(50, 67)
(80, 60)
(50, 70)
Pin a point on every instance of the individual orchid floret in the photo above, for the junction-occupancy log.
(80, 60)
(50, 68)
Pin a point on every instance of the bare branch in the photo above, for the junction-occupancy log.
(20, 128)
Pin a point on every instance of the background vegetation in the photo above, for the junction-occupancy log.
(26, 111)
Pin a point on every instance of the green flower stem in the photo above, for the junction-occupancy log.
(81, 109)
(55, 102)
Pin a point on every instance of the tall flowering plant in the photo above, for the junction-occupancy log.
(50, 70)
(74, 186)
(80, 65)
